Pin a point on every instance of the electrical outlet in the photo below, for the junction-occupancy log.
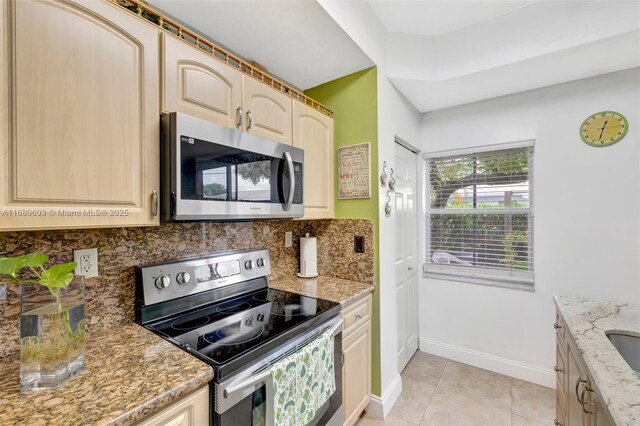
(87, 261)
(358, 243)
(288, 239)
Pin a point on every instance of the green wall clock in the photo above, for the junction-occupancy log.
(604, 128)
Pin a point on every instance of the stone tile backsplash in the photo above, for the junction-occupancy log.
(110, 296)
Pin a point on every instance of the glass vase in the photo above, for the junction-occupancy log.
(52, 328)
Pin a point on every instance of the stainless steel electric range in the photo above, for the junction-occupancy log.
(219, 309)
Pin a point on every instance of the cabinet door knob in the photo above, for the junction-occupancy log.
(556, 422)
(358, 317)
(556, 369)
(556, 325)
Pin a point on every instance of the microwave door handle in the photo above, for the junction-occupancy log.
(292, 181)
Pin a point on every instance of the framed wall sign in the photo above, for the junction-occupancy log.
(354, 171)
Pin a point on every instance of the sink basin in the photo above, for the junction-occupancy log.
(629, 348)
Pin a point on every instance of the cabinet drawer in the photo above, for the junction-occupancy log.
(356, 315)
(192, 410)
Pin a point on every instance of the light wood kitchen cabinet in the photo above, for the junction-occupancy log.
(197, 84)
(577, 401)
(267, 112)
(356, 366)
(192, 410)
(313, 132)
(79, 116)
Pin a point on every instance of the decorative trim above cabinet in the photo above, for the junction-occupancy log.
(182, 33)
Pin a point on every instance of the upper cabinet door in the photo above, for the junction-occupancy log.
(79, 142)
(313, 132)
(267, 112)
(197, 84)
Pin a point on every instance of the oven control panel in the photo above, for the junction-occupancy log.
(166, 281)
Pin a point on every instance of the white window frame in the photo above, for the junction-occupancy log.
(491, 277)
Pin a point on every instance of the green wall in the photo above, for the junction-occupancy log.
(354, 101)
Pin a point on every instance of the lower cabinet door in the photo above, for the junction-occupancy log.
(356, 372)
(192, 410)
(575, 413)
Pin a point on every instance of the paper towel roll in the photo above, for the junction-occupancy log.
(308, 257)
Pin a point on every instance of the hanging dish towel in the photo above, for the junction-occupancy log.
(307, 383)
(326, 368)
(284, 391)
(303, 382)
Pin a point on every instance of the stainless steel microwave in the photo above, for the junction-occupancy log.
(212, 172)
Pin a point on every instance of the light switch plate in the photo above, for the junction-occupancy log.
(288, 239)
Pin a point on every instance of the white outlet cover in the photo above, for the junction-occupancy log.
(288, 239)
(87, 260)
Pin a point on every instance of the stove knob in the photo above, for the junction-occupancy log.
(248, 264)
(162, 282)
(183, 278)
(249, 322)
(260, 262)
(260, 317)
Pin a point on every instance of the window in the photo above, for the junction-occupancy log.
(479, 215)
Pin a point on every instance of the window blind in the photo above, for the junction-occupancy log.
(479, 215)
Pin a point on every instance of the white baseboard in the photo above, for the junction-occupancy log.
(489, 362)
(380, 407)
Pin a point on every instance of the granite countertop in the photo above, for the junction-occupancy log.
(129, 373)
(588, 321)
(338, 290)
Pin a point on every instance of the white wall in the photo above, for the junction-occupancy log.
(396, 117)
(587, 213)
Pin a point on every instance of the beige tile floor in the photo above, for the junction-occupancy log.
(440, 392)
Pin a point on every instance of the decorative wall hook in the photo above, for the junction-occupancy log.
(387, 206)
(383, 176)
(392, 182)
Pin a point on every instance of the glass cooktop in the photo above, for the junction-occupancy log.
(223, 332)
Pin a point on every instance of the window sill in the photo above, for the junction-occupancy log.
(489, 281)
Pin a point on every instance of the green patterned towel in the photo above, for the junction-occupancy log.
(306, 383)
(325, 368)
(303, 382)
(284, 391)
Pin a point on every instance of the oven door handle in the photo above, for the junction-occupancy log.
(337, 327)
(247, 383)
(292, 181)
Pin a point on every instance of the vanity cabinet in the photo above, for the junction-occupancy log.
(192, 410)
(313, 132)
(356, 365)
(577, 400)
(78, 117)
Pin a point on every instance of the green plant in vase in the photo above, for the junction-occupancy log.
(52, 321)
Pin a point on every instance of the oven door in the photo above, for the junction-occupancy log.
(223, 173)
(246, 399)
